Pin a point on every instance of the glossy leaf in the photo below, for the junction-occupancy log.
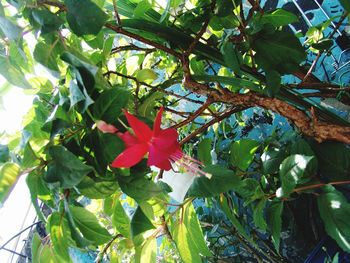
(110, 103)
(232, 56)
(121, 220)
(146, 74)
(140, 223)
(345, 4)
(188, 236)
(292, 171)
(65, 168)
(4, 153)
(242, 153)
(273, 82)
(274, 213)
(271, 160)
(89, 226)
(85, 17)
(258, 215)
(59, 236)
(335, 212)
(279, 17)
(96, 188)
(333, 159)
(10, 30)
(12, 74)
(140, 189)
(279, 51)
(9, 173)
(222, 180)
(204, 148)
(148, 251)
(233, 219)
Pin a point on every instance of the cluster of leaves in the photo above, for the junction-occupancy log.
(99, 67)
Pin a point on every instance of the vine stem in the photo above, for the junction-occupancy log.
(308, 187)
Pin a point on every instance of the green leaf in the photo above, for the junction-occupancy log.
(121, 220)
(274, 219)
(47, 54)
(323, 44)
(79, 97)
(89, 226)
(224, 8)
(204, 148)
(9, 173)
(85, 72)
(188, 236)
(4, 153)
(12, 74)
(76, 235)
(85, 17)
(333, 159)
(279, 17)
(184, 244)
(242, 153)
(273, 82)
(232, 56)
(141, 8)
(110, 103)
(345, 4)
(141, 189)
(146, 74)
(35, 246)
(301, 147)
(59, 235)
(191, 221)
(65, 168)
(280, 51)
(293, 170)
(147, 252)
(271, 160)
(97, 188)
(222, 180)
(10, 30)
(250, 190)
(147, 107)
(234, 220)
(140, 223)
(106, 147)
(335, 213)
(49, 22)
(258, 215)
(29, 157)
(37, 188)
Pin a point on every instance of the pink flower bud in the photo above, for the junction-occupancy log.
(105, 127)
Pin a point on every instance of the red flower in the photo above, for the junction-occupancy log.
(161, 145)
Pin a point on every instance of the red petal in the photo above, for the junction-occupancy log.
(158, 121)
(128, 139)
(130, 156)
(158, 158)
(166, 140)
(141, 130)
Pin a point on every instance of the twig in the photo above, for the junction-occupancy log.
(308, 187)
(194, 115)
(99, 260)
(210, 123)
(116, 14)
(144, 40)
